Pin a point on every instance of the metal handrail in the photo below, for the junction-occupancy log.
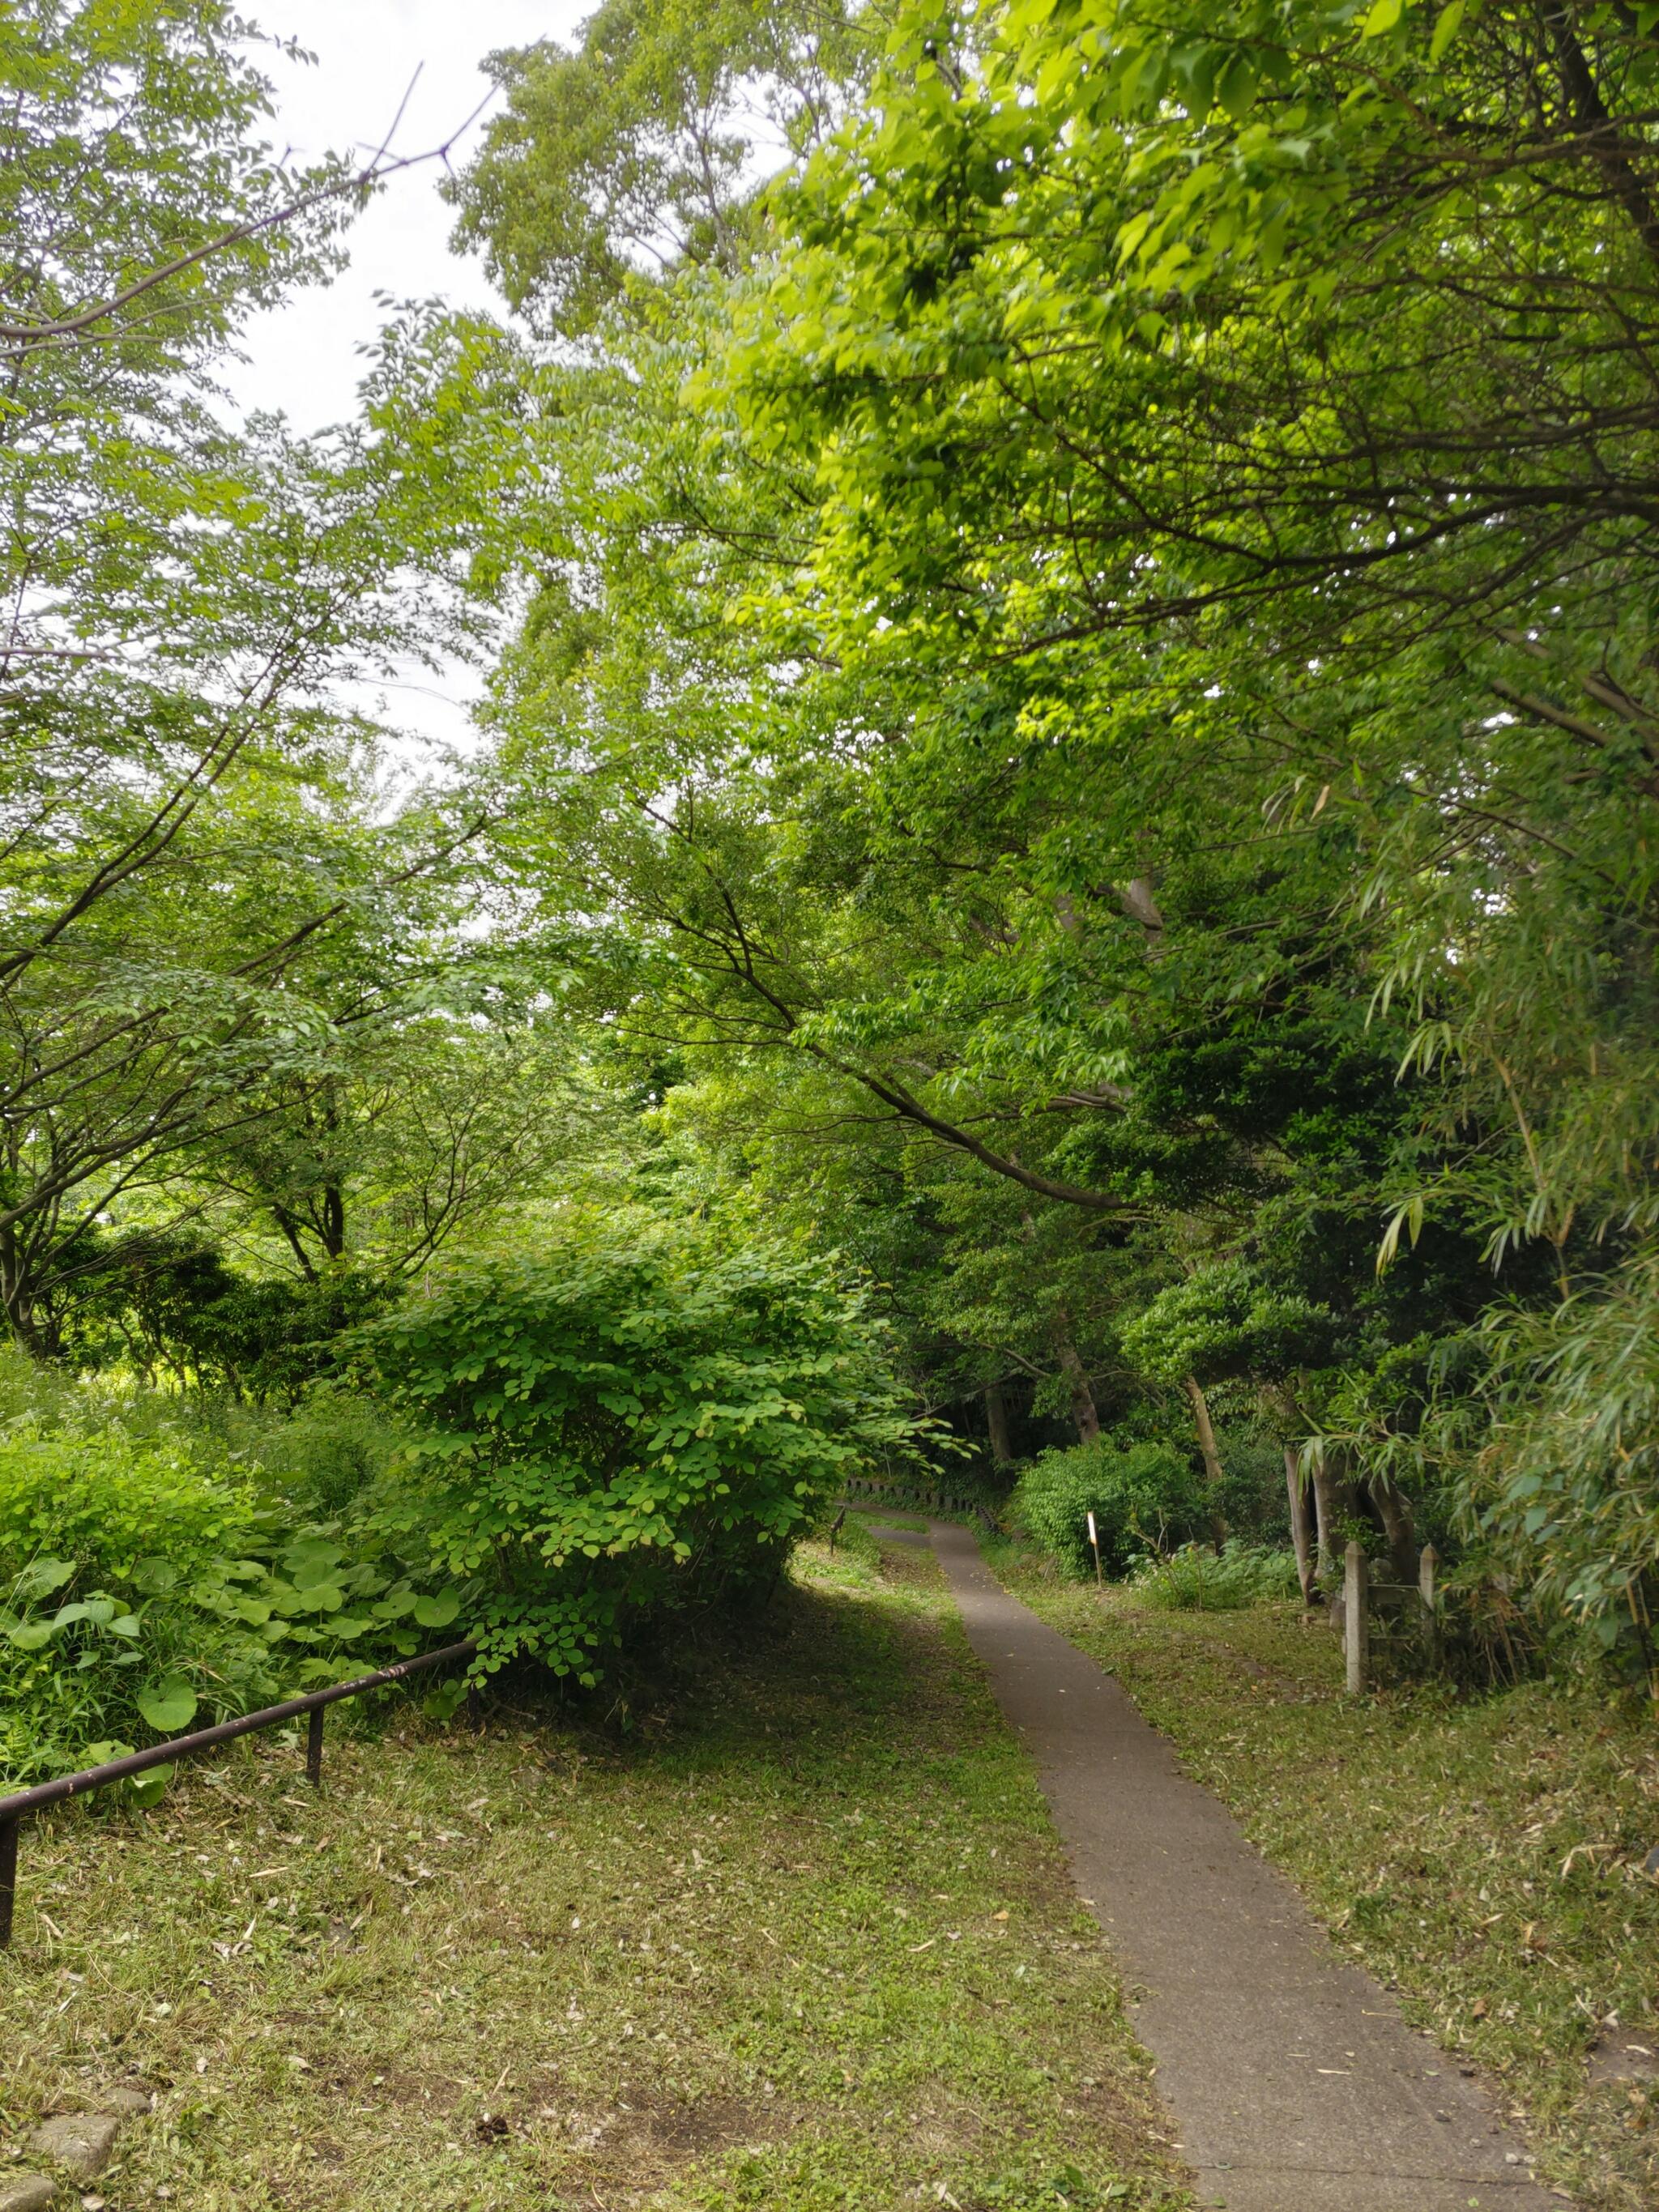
(15, 1809)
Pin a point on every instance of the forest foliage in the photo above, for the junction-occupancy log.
(1067, 765)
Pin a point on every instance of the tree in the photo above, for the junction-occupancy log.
(434, 1113)
(635, 152)
(1102, 653)
(188, 811)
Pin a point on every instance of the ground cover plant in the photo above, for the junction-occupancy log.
(1483, 1854)
(803, 1940)
(1199, 1578)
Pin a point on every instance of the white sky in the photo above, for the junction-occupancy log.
(304, 357)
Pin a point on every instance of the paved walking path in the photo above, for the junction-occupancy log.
(1297, 2086)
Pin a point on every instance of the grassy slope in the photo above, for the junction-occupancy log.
(1484, 1856)
(808, 1944)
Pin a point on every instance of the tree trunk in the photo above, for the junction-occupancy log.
(1206, 1427)
(290, 1228)
(996, 1423)
(1295, 1485)
(1084, 1411)
(1207, 1444)
(1398, 1526)
(333, 1222)
(19, 1293)
(1325, 1517)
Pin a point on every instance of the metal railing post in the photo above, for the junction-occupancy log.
(314, 1749)
(8, 1877)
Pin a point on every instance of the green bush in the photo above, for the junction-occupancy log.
(103, 1499)
(1147, 1495)
(327, 1454)
(1197, 1578)
(627, 1425)
(144, 1588)
(1252, 1495)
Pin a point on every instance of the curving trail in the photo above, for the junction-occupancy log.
(1296, 2085)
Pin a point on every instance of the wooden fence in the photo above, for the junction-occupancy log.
(913, 1497)
(1414, 1610)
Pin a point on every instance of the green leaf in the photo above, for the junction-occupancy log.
(150, 1788)
(437, 1612)
(1447, 25)
(101, 1752)
(98, 1611)
(1384, 14)
(43, 1576)
(31, 1635)
(313, 1562)
(1237, 89)
(169, 1704)
(440, 1704)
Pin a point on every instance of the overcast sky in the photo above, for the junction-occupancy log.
(303, 357)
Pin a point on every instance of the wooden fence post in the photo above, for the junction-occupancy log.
(1356, 1620)
(1426, 1590)
(1301, 1535)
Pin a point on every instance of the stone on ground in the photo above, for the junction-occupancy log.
(28, 2192)
(80, 2142)
(126, 2099)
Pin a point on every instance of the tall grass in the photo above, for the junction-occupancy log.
(1199, 1579)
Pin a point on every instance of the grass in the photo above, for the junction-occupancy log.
(1482, 1855)
(805, 1942)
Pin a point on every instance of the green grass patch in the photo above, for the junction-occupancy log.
(804, 1940)
(1482, 1855)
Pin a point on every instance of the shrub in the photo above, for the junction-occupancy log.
(627, 1425)
(1197, 1578)
(1252, 1495)
(333, 1448)
(1563, 1488)
(103, 1499)
(140, 1586)
(1147, 1495)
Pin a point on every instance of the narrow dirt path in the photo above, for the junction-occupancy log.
(1297, 2086)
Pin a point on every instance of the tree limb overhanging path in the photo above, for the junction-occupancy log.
(1296, 2084)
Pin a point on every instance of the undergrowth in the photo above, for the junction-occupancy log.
(1197, 1578)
